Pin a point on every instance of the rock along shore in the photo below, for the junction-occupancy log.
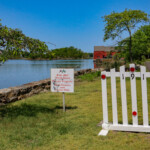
(13, 94)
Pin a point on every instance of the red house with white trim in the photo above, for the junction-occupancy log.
(103, 51)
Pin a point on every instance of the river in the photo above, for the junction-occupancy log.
(18, 72)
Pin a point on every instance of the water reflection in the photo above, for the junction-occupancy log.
(18, 72)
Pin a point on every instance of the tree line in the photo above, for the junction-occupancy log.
(69, 53)
(15, 44)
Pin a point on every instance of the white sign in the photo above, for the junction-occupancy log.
(62, 80)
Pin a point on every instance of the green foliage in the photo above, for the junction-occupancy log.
(106, 65)
(3, 57)
(117, 23)
(68, 52)
(90, 54)
(115, 62)
(116, 65)
(90, 76)
(143, 58)
(18, 45)
(140, 44)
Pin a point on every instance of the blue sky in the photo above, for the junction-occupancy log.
(65, 22)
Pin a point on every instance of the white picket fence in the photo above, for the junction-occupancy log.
(106, 126)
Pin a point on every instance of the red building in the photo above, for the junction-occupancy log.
(103, 51)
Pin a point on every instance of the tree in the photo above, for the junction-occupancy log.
(36, 48)
(140, 44)
(3, 55)
(117, 23)
(16, 44)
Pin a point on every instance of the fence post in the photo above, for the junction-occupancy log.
(133, 95)
(104, 131)
(114, 96)
(123, 95)
(144, 95)
(104, 97)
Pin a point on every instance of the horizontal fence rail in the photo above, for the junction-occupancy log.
(135, 127)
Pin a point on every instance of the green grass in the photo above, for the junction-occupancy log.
(89, 76)
(39, 123)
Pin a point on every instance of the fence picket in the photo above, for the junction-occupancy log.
(133, 95)
(104, 97)
(123, 95)
(144, 95)
(114, 96)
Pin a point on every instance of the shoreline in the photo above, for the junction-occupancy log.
(12, 94)
(48, 59)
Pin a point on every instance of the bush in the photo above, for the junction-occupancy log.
(143, 58)
(116, 65)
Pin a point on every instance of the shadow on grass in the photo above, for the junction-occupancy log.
(67, 107)
(28, 110)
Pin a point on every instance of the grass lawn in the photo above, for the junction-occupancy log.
(39, 123)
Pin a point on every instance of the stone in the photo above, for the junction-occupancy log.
(12, 94)
(5, 91)
(13, 99)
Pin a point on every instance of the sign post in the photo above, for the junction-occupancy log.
(64, 102)
(62, 80)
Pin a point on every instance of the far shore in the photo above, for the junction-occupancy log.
(48, 59)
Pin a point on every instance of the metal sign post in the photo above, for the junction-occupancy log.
(64, 102)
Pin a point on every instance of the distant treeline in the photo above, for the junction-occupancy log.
(14, 44)
(69, 52)
(60, 53)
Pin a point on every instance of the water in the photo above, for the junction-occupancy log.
(18, 72)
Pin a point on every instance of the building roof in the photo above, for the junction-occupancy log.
(104, 48)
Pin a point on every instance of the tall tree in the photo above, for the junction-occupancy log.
(117, 23)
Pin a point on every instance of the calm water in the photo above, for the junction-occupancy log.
(18, 72)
